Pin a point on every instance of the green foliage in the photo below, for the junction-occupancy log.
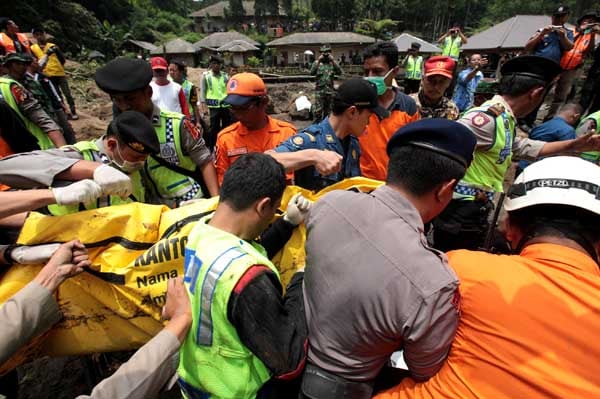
(254, 62)
(235, 11)
(193, 37)
(104, 24)
(336, 14)
(382, 29)
(259, 37)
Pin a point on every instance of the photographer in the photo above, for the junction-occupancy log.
(549, 42)
(588, 25)
(452, 42)
(325, 70)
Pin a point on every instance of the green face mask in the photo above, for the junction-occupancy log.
(380, 82)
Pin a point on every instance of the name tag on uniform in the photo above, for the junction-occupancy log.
(237, 151)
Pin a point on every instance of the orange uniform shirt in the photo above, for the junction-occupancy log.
(373, 156)
(236, 140)
(528, 329)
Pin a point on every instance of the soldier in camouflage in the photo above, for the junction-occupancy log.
(430, 99)
(325, 69)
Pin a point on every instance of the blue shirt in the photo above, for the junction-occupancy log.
(322, 137)
(550, 46)
(556, 129)
(465, 91)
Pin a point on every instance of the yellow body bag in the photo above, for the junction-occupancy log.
(134, 249)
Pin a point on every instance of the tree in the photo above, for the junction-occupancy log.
(377, 29)
(335, 13)
(235, 11)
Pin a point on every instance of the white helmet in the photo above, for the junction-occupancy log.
(560, 180)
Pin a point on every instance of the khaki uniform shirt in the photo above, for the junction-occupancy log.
(32, 109)
(33, 310)
(38, 169)
(373, 286)
(483, 127)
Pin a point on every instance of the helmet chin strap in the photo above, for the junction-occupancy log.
(559, 226)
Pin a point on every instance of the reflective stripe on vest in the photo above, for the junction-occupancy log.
(204, 334)
(42, 138)
(216, 89)
(214, 263)
(413, 67)
(573, 58)
(169, 184)
(186, 85)
(592, 156)
(486, 172)
(452, 47)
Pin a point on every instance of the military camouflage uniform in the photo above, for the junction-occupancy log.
(45, 93)
(39, 94)
(325, 73)
(445, 108)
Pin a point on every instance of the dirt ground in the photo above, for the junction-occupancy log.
(95, 109)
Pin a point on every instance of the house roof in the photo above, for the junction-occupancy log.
(218, 10)
(319, 38)
(145, 45)
(175, 46)
(406, 39)
(512, 33)
(238, 46)
(218, 39)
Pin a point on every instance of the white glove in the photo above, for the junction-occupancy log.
(26, 255)
(113, 181)
(84, 191)
(297, 209)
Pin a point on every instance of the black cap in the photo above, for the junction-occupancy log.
(135, 129)
(362, 94)
(531, 66)
(561, 10)
(588, 13)
(439, 135)
(17, 57)
(123, 75)
(415, 45)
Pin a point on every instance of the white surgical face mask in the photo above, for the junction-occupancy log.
(127, 166)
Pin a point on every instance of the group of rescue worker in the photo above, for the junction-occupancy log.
(376, 282)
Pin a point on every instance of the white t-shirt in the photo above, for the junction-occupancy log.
(166, 97)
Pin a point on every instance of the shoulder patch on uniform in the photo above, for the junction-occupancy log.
(496, 109)
(191, 128)
(456, 301)
(312, 138)
(480, 119)
(19, 93)
(298, 140)
(234, 152)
